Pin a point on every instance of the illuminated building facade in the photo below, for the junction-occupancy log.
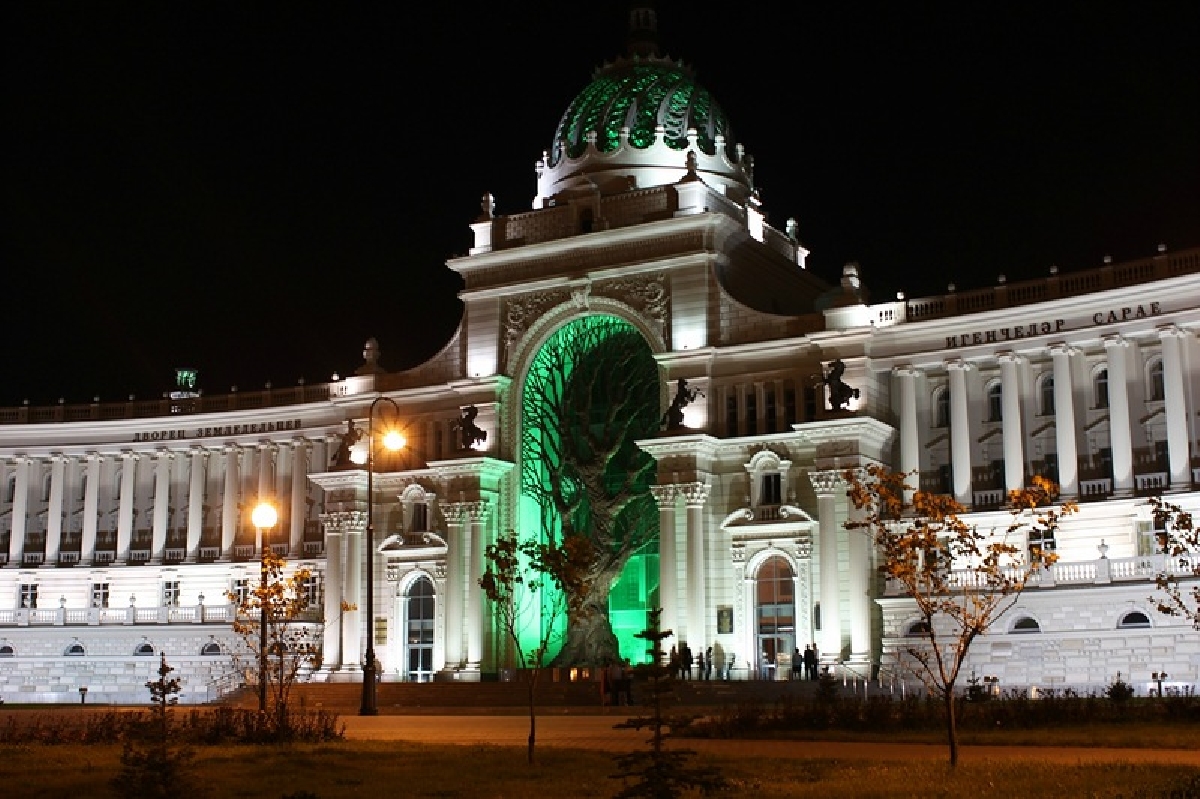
(125, 527)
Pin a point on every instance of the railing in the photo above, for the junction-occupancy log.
(988, 499)
(1143, 568)
(32, 558)
(244, 551)
(313, 547)
(1090, 490)
(167, 614)
(1153, 483)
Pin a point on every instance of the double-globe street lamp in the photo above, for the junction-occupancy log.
(264, 516)
(392, 440)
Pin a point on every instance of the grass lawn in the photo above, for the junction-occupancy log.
(362, 769)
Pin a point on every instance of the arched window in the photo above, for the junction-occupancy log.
(917, 628)
(1100, 387)
(776, 612)
(419, 626)
(1026, 625)
(941, 407)
(1134, 619)
(6, 651)
(144, 650)
(1155, 390)
(995, 402)
(75, 650)
(1046, 395)
(210, 649)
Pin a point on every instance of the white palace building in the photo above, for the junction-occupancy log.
(125, 526)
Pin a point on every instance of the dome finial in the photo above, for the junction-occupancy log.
(643, 32)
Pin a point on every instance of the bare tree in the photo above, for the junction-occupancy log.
(1179, 540)
(960, 577)
(591, 392)
(533, 584)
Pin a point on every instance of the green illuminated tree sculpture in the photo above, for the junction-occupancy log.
(591, 392)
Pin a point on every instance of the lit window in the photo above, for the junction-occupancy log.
(1047, 395)
(941, 408)
(995, 402)
(1155, 373)
(1100, 387)
(771, 487)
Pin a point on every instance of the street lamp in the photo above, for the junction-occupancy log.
(392, 440)
(264, 517)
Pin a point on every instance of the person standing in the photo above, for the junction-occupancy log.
(810, 662)
(686, 655)
(797, 665)
(708, 663)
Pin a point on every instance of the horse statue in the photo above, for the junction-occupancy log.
(684, 396)
(341, 456)
(469, 434)
(840, 394)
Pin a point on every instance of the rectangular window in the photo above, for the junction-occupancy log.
(789, 406)
(771, 490)
(810, 403)
(420, 517)
(1043, 539)
(241, 591)
(29, 595)
(99, 595)
(751, 413)
(310, 589)
(731, 415)
(769, 409)
(170, 593)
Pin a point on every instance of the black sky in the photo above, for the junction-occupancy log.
(254, 189)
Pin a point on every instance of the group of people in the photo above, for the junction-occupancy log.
(681, 663)
(804, 666)
(616, 684)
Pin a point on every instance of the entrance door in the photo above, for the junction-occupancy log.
(419, 629)
(776, 613)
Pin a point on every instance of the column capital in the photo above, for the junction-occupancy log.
(92, 455)
(1114, 340)
(1170, 330)
(1062, 348)
(826, 483)
(231, 448)
(664, 495)
(695, 494)
(1008, 356)
(906, 370)
(957, 364)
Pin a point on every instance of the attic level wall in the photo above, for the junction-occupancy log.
(482, 322)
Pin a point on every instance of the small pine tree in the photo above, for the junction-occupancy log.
(661, 773)
(153, 767)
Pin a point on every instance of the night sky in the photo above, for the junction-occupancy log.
(255, 189)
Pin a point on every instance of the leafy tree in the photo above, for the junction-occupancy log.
(660, 773)
(289, 645)
(1179, 540)
(534, 584)
(591, 392)
(961, 578)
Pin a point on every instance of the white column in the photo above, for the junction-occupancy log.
(229, 506)
(91, 510)
(668, 568)
(331, 650)
(129, 463)
(1064, 420)
(1010, 425)
(695, 495)
(299, 515)
(858, 581)
(20, 509)
(54, 511)
(1174, 377)
(162, 498)
(195, 517)
(457, 558)
(477, 516)
(960, 432)
(826, 486)
(910, 442)
(266, 491)
(352, 634)
(1119, 428)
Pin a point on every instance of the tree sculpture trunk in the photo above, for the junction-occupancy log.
(590, 640)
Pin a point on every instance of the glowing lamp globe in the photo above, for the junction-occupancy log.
(264, 515)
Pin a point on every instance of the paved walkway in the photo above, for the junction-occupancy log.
(596, 732)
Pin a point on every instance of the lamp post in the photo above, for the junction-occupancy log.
(392, 440)
(264, 517)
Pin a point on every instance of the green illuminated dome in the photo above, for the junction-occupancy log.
(640, 96)
(641, 122)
